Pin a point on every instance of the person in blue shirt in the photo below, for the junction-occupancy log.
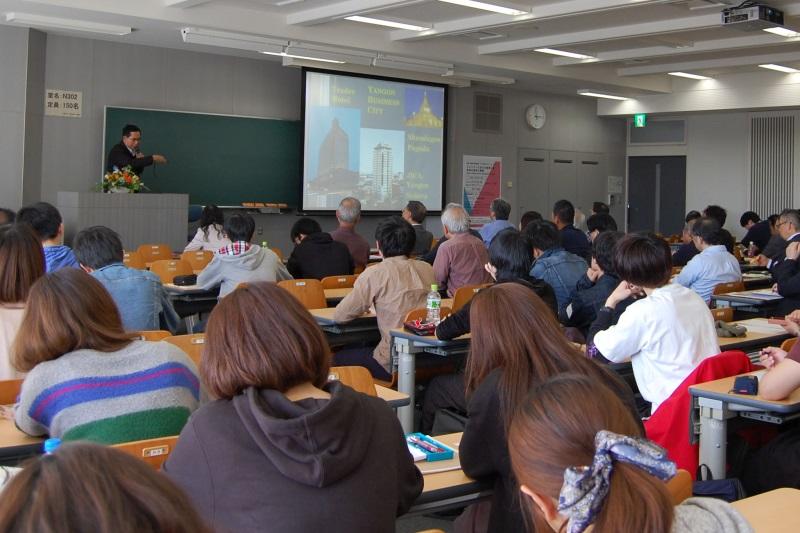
(46, 221)
(554, 265)
(573, 240)
(500, 211)
(140, 297)
(713, 265)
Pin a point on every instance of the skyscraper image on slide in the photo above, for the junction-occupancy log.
(382, 171)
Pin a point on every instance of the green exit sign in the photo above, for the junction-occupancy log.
(639, 120)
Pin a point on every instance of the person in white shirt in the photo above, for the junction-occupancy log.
(666, 333)
(210, 235)
(713, 265)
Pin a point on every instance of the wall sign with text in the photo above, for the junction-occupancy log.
(60, 103)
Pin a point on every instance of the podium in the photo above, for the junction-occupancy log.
(138, 218)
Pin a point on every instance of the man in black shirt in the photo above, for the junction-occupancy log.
(758, 231)
(126, 152)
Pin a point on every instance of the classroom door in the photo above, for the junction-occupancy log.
(592, 182)
(534, 177)
(657, 194)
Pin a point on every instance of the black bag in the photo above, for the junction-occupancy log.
(448, 421)
(729, 490)
(774, 465)
(185, 280)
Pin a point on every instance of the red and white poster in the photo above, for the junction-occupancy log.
(482, 179)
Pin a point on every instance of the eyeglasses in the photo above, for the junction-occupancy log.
(781, 223)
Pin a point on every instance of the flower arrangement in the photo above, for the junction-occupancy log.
(121, 181)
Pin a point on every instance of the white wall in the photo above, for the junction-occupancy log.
(13, 80)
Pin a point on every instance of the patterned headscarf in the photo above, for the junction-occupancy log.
(585, 487)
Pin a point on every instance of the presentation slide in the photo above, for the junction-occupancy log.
(381, 141)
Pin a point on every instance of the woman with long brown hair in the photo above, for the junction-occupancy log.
(582, 462)
(87, 378)
(516, 342)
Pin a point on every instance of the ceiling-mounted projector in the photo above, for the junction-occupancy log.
(753, 17)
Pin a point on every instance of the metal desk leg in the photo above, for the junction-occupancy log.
(714, 415)
(405, 352)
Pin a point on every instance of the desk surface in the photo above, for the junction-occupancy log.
(450, 479)
(772, 512)
(10, 436)
(391, 396)
(752, 297)
(325, 316)
(337, 294)
(759, 333)
(719, 390)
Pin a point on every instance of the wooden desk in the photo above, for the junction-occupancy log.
(772, 512)
(758, 300)
(760, 334)
(334, 296)
(392, 397)
(14, 444)
(717, 405)
(757, 280)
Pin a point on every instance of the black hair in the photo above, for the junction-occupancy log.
(717, 213)
(692, 215)
(211, 215)
(773, 219)
(501, 209)
(44, 218)
(600, 207)
(240, 227)
(565, 211)
(601, 222)
(511, 254)
(130, 128)
(97, 246)
(9, 214)
(304, 226)
(417, 210)
(643, 259)
(395, 236)
(543, 235)
(528, 217)
(603, 249)
(708, 229)
(749, 216)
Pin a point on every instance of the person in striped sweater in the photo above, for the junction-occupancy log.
(90, 380)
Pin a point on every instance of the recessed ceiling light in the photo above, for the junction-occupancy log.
(688, 75)
(389, 23)
(284, 54)
(783, 32)
(553, 51)
(587, 92)
(486, 7)
(780, 68)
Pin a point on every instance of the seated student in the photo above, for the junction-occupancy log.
(240, 261)
(393, 287)
(500, 371)
(687, 250)
(282, 448)
(46, 222)
(758, 231)
(349, 215)
(776, 245)
(142, 302)
(430, 257)
(87, 487)
(665, 334)
(499, 212)
(460, 259)
(414, 213)
(573, 240)
(7, 216)
(87, 378)
(721, 215)
(21, 264)
(601, 208)
(582, 464)
(592, 290)
(210, 235)
(713, 265)
(554, 265)
(528, 217)
(598, 223)
(316, 255)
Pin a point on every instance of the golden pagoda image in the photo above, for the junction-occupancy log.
(424, 118)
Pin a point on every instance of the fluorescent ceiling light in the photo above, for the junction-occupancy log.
(295, 56)
(39, 21)
(688, 75)
(553, 51)
(780, 68)
(486, 7)
(238, 41)
(414, 65)
(588, 92)
(783, 32)
(389, 23)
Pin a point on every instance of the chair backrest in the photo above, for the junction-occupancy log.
(9, 391)
(152, 451)
(278, 253)
(434, 242)
(167, 269)
(153, 335)
(198, 259)
(133, 260)
(723, 313)
(358, 270)
(308, 291)
(422, 312)
(191, 344)
(356, 377)
(338, 282)
(788, 344)
(465, 294)
(154, 252)
(725, 288)
(680, 487)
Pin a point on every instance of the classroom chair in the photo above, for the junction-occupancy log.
(9, 391)
(152, 451)
(725, 288)
(154, 252)
(133, 260)
(278, 253)
(680, 487)
(308, 291)
(358, 270)
(192, 344)
(723, 313)
(788, 344)
(338, 282)
(356, 377)
(198, 259)
(154, 335)
(465, 294)
(167, 269)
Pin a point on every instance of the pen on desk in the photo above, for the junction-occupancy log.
(427, 446)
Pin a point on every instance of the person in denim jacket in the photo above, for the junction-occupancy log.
(140, 297)
(554, 265)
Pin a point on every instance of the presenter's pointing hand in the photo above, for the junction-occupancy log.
(160, 159)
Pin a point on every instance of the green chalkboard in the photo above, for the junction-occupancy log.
(216, 159)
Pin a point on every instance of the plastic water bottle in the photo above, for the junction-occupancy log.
(264, 244)
(433, 305)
